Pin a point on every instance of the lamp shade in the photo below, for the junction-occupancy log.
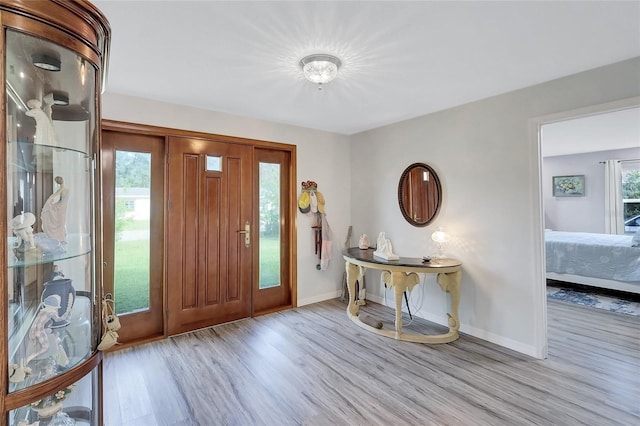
(440, 236)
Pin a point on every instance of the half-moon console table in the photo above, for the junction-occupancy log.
(401, 275)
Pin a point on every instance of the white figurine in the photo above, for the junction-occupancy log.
(54, 212)
(363, 244)
(48, 103)
(22, 229)
(384, 249)
(43, 341)
(17, 373)
(45, 134)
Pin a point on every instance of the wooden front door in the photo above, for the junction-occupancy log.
(272, 288)
(209, 233)
(133, 199)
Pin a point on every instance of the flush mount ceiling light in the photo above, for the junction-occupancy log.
(320, 68)
(46, 62)
(60, 98)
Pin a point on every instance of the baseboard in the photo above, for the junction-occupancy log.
(375, 298)
(319, 298)
(520, 347)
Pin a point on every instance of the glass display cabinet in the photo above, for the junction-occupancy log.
(54, 60)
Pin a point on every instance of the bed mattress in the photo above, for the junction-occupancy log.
(603, 256)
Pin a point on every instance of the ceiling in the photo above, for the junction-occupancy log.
(400, 59)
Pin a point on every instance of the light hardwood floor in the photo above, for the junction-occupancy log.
(312, 366)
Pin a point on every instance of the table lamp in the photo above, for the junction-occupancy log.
(440, 237)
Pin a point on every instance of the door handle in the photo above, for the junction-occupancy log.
(247, 234)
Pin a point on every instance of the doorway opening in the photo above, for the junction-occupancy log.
(552, 210)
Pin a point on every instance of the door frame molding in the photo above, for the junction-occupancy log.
(166, 132)
(535, 149)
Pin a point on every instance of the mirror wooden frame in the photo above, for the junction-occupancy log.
(419, 195)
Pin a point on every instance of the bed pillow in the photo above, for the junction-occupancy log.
(635, 241)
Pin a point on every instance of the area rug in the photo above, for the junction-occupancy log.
(619, 304)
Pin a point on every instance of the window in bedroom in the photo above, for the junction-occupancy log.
(631, 195)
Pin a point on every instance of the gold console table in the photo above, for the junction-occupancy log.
(402, 275)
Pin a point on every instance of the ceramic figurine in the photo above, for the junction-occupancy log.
(22, 229)
(50, 246)
(54, 212)
(363, 244)
(384, 249)
(43, 341)
(48, 104)
(44, 127)
(17, 373)
(63, 288)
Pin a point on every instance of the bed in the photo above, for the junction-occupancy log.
(600, 260)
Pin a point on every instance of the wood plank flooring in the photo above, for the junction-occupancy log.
(312, 366)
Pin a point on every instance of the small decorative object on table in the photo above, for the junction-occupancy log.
(384, 248)
(363, 243)
(440, 238)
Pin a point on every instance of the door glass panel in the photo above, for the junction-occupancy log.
(269, 265)
(132, 221)
(214, 163)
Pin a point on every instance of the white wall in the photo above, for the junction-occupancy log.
(322, 157)
(492, 202)
(579, 214)
(490, 175)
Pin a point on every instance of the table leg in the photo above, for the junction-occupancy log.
(398, 278)
(353, 273)
(450, 283)
(400, 282)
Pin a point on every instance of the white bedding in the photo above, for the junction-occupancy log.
(603, 256)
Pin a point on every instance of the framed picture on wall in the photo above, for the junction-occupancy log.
(568, 186)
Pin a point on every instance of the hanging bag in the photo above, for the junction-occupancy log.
(111, 324)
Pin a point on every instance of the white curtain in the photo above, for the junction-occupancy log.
(614, 214)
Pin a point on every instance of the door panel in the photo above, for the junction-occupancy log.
(134, 229)
(209, 270)
(190, 230)
(212, 262)
(273, 285)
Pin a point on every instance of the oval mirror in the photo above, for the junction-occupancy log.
(419, 194)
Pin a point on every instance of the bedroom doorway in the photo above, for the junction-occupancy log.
(542, 136)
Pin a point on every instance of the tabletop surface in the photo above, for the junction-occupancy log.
(366, 255)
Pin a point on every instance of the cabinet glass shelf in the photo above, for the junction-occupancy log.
(28, 157)
(76, 245)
